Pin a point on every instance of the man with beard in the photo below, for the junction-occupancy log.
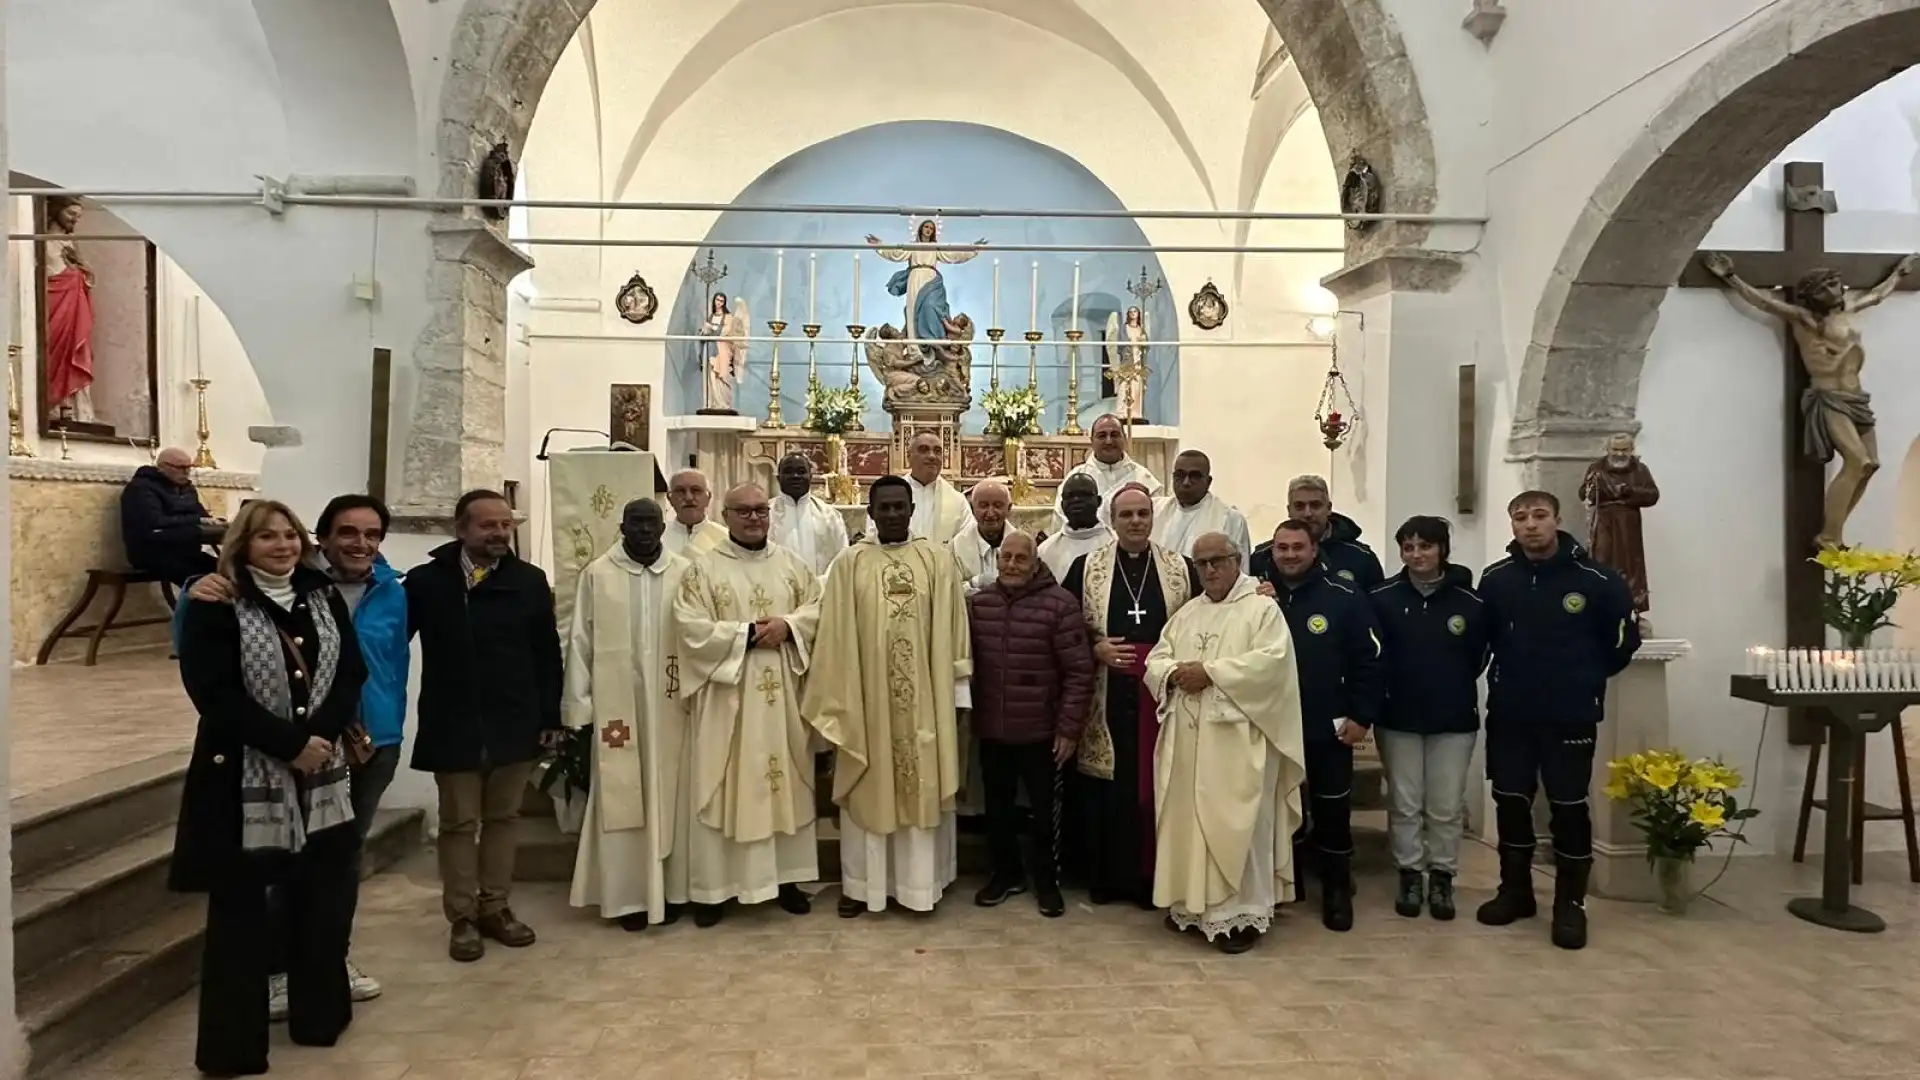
(1128, 590)
(1342, 692)
(803, 523)
(1084, 533)
(1560, 626)
(1615, 489)
(690, 533)
(1109, 467)
(1335, 536)
(1193, 510)
(623, 687)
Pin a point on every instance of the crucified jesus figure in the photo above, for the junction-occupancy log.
(1837, 411)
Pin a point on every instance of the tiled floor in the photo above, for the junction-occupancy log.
(68, 721)
(1742, 991)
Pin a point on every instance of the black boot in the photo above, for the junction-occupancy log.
(1440, 894)
(1336, 892)
(1570, 902)
(1406, 903)
(1515, 899)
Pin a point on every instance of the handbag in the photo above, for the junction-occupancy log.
(355, 743)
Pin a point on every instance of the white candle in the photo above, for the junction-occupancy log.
(779, 282)
(1033, 299)
(193, 322)
(1772, 664)
(856, 290)
(996, 293)
(1073, 321)
(813, 287)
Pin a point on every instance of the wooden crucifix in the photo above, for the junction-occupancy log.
(1807, 204)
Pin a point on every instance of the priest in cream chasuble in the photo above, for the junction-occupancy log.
(1230, 759)
(893, 663)
(1193, 510)
(1128, 589)
(690, 533)
(803, 523)
(623, 685)
(746, 614)
(1109, 466)
(939, 510)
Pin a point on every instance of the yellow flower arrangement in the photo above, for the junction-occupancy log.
(1681, 805)
(1862, 587)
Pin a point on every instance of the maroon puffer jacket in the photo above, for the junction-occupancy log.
(1033, 666)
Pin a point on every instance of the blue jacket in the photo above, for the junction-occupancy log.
(1436, 648)
(1341, 552)
(380, 622)
(1560, 629)
(1336, 648)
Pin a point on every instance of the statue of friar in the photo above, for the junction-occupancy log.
(1616, 488)
(1838, 413)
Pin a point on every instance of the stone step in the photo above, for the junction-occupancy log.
(85, 998)
(75, 821)
(97, 899)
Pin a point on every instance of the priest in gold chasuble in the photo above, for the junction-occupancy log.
(892, 665)
(1230, 759)
(1128, 589)
(622, 686)
(746, 615)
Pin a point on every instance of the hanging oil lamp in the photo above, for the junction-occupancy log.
(1336, 414)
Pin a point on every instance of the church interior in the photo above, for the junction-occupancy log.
(1436, 252)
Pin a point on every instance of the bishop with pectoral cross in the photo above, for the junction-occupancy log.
(1128, 589)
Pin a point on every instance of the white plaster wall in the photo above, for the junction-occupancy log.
(1710, 400)
(234, 400)
(14, 1053)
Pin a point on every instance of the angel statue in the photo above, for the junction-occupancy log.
(727, 329)
(1127, 364)
(928, 317)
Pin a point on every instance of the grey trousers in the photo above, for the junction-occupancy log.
(1427, 812)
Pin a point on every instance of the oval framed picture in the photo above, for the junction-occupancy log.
(1208, 308)
(636, 301)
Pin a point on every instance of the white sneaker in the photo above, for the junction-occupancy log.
(365, 987)
(276, 998)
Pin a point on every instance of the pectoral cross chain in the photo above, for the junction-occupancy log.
(1137, 612)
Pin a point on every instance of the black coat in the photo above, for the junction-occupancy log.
(1341, 552)
(1436, 648)
(1559, 629)
(158, 516)
(206, 845)
(490, 671)
(1336, 649)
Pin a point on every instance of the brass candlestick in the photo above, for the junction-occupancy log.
(1073, 383)
(16, 435)
(812, 330)
(855, 331)
(203, 457)
(1033, 371)
(66, 452)
(994, 335)
(778, 326)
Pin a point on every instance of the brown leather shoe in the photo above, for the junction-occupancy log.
(464, 943)
(507, 930)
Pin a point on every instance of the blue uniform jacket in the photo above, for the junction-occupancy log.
(1341, 552)
(1336, 648)
(380, 622)
(1560, 628)
(1436, 649)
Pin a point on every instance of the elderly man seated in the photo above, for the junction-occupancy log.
(1229, 762)
(163, 524)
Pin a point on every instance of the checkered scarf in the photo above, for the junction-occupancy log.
(278, 807)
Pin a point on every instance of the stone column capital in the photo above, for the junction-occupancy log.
(1395, 270)
(474, 241)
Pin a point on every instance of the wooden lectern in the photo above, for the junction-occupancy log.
(1847, 715)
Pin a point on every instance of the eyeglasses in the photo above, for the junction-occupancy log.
(751, 511)
(1218, 562)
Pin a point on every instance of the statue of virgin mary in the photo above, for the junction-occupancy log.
(928, 318)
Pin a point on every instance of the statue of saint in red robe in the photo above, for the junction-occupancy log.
(69, 308)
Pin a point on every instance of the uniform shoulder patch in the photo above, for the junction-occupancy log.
(1344, 575)
(1574, 602)
(1317, 624)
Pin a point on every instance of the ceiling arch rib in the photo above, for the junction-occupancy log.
(755, 20)
(1280, 101)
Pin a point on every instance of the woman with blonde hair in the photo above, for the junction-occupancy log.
(276, 677)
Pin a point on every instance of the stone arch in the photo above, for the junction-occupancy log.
(1581, 375)
(1349, 53)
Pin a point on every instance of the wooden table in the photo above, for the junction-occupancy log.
(1848, 715)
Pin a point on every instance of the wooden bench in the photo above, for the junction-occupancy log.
(115, 582)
